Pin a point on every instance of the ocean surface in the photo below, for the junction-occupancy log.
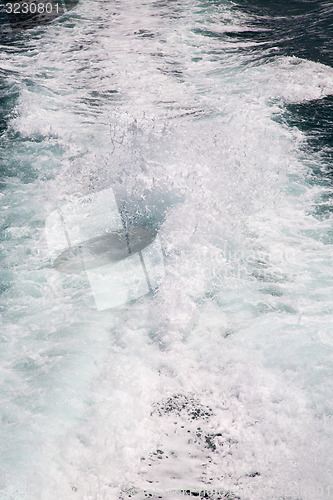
(211, 121)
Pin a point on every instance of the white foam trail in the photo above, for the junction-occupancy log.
(242, 321)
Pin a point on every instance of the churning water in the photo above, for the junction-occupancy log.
(211, 121)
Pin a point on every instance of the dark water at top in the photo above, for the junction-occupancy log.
(298, 28)
(302, 29)
(295, 28)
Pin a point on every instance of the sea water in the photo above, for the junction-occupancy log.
(211, 121)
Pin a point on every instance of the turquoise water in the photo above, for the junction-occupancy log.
(226, 369)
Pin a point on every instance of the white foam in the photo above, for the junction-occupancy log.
(242, 320)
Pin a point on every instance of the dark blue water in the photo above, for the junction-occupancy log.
(295, 28)
(301, 29)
